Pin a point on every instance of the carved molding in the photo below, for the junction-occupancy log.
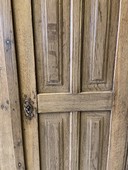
(53, 24)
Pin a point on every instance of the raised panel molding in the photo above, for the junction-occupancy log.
(52, 44)
(94, 140)
(99, 28)
(53, 41)
(54, 146)
(54, 132)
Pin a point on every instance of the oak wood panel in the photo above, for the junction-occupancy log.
(54, 141)
(97, 46)
(119, 122)
(74, 140)
(92, 55)
(75, 46)
(74, 102)
(26, 69)
(11, 143)
(75, 62)
(99, 27)
(94, 140)
(51, 30)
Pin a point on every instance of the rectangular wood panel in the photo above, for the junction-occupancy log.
(99, 27)
(53, 41)
(74, 102)
(54, 141)
(94, 140)
(51, 22)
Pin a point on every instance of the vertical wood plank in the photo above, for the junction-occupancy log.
(120, 106)
(11, 144)
(26, 65)
(75, 53)
(75, 45)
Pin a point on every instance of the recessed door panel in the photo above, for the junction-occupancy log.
(99, 34)
(54, 141)
(94, 140)
(52, 41)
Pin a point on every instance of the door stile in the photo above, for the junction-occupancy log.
(118, 135)
(26, 69)
(75, 57)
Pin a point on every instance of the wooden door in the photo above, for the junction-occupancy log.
(73, 69)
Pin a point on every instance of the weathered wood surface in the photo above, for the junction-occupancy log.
(74, 102)
(52, 42)
(11, 143)
(76, 62)
(100, 25)
(119, 121)
(26, 69)
(94, 140)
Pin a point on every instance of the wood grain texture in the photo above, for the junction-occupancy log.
(99, 27)
(74, 81)
(71, 102)
(52, 33)
(119, 122)
(54, 141)
(74, 140)
(75, 48)
(75, 56)
(26, 70)
(98, 41)
(51, 30)
(94, 140)
(11, 143)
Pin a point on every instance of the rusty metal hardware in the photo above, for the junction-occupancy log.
(28, 108)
